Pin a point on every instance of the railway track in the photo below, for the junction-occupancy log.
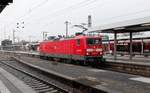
(30, 78)
(113, 66)
(45, 82)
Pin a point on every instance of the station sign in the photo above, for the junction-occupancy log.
(105, 38)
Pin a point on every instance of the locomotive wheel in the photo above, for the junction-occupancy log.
(85, 63)
(77, 62)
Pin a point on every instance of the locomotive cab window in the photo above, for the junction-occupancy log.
(78, 42)
(94, 41)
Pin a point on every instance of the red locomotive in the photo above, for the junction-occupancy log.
(83, 49)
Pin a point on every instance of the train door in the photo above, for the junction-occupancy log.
(146, 48)
(78, 47)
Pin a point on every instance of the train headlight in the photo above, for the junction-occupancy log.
(99, 50)
(87, 53)
(89, 50)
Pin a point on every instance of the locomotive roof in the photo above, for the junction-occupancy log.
(87, 36)
(76, 37)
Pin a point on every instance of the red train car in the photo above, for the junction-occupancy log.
(86, 49)
(138, 47)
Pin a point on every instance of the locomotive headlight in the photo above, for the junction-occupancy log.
(100, 53)
(99, 50)
(89, 50)
(87, 53)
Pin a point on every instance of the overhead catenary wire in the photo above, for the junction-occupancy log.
(38, 6)
(127, 14)
(28, 12)
(72, 7)
(81, 4)
(53, 18)
(66, 10)
(62, 11)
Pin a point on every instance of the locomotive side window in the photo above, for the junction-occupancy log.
(93, 41)
(78, 42)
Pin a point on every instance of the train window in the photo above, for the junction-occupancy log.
(78, 42)
(93, 41)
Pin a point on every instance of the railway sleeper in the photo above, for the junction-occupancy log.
(50, 90)
(39, 88)
(42, 85)
(32, 84)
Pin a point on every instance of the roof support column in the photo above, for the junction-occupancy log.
(109, 46)
(142, 47)
(131, 43)
(115, 45)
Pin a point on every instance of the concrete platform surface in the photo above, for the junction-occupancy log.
(3, 88)
(112, 82)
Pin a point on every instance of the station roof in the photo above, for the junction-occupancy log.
(134, 25)
(4, 3)
(1, 8)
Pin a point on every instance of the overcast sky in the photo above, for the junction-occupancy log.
(50, 15)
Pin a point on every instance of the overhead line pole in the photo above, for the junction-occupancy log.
(89, 21)
(131, 46)
(67, 25)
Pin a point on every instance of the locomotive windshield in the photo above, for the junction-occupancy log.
(94, 41)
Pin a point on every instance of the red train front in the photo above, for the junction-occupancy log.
(84, 49)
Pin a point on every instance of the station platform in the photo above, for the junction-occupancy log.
(137, 59)
(10, 84)
(109, 81)
(21, 52)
